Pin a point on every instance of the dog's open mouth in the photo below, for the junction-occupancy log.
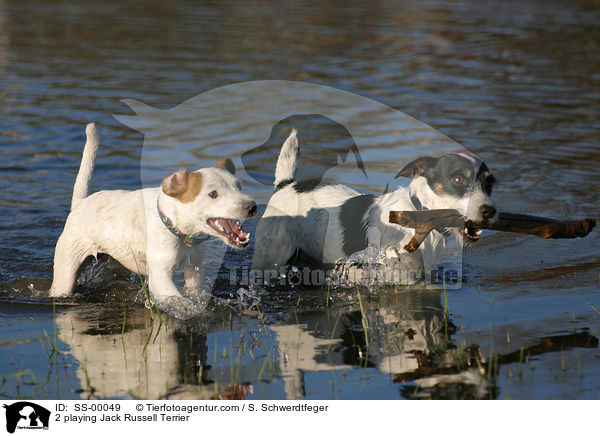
(471, 234)
(231, 229)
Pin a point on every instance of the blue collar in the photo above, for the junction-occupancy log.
(188, 240)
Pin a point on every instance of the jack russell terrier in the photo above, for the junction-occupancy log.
(151, 231)
(326, 223)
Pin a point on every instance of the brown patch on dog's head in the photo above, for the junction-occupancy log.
(226, 164)
(182, 185)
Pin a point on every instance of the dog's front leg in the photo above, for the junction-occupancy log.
(160, 281)
(194, 278)
(193, 271)
(161, 285)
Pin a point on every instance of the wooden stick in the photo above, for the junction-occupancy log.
(538, 226)
(424, 221)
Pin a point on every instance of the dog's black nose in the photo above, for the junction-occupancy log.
(487, 211)
(252, 208)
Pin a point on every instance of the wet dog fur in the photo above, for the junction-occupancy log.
(151, 231)
(329, 222)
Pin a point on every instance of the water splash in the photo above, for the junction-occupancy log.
(248, 299)
(374, 267)
(182, 307)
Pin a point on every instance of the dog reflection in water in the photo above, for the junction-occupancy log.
(145, 363)
(404, 332)
(407, 338)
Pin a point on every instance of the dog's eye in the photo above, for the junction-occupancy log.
(458, 180)
(213, 194)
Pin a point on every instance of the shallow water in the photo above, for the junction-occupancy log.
(518, 83)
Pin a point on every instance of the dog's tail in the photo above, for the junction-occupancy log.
(287, 161)
(88, 160)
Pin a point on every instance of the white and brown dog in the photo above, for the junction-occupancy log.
(327, 223)
(151, 231)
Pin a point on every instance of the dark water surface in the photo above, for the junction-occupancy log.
(516, 82)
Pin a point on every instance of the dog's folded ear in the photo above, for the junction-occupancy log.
(182, 185)
(226, 164)
(417, 167)
(176, 183)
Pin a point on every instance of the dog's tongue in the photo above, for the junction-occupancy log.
(233, 227)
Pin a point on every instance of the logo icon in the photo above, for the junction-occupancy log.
(26, 415)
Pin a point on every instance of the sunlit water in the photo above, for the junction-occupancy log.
(517, 83)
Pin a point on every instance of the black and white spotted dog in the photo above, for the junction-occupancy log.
(329, 222)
